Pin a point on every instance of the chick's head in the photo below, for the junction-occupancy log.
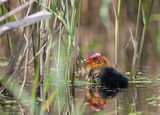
(97, 60)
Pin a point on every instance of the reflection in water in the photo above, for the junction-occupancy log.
(10, 106)
(98, 97)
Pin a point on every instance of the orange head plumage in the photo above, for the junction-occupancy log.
(97, 60)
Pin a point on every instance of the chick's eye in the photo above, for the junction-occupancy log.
(94, 58)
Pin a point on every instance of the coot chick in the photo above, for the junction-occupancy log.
(102, 72)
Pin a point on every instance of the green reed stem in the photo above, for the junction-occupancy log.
(69, 53)
(117, 26)
(59, 50)
(73, 19)
(34, 89)
(33, 45)
(53, 10)
(79, 12)
(119, 11)
(37, 72)
(138, 20)
(34, 51)
(9, 45)
(59, 41)
(47, 78)
(143, 34)
(135, 55)
(70, 40)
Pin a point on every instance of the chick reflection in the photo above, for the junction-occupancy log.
(99, 97)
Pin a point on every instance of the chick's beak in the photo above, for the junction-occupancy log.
(86, 60)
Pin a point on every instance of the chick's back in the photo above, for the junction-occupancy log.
(108, 77)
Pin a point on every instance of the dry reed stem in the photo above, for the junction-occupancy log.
(19, 8)
(13, 61)
(26, 64)
(116, 34)
(135, 43)
(26, 55)
(75, 51)
(21, 63)
(36, 17)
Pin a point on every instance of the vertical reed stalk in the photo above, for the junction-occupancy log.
(69, 56)
(70, 40)
(26, 62)
(138, 19)
(34, 51)
(59, 41)
(117, 26)
(48, 78)
(53, 15)
(35, 88)
(133, 68)
(72, 78)
(79, 12)
(143, 34)
(137, 53)
(33, 45)
(51, 30)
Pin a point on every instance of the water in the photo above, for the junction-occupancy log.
(10, 105)
(138, 99)
(142, 97)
